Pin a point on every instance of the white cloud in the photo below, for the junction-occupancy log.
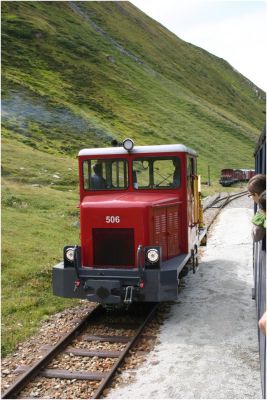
(234, 30)
(240, 40)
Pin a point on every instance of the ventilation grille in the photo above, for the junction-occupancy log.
(167, 231)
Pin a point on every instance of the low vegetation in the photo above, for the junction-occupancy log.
(39, 217)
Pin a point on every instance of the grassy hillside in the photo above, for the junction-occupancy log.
(39, 217)
(78, 74)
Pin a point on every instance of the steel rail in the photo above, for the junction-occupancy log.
(212, 202)
(227, 199)
(124, 353)
(234, 195)
(33, 371)
(218, 199)
(39, 367)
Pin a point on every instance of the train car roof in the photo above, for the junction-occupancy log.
(166, 148)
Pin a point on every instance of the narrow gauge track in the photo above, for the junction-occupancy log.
(218, 203)
(78, 334)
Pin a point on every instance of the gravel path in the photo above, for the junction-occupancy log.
(208, 346)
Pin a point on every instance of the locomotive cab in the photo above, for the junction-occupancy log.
(140, 223)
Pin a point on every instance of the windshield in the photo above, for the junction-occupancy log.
(156, 173)
(105, 174)
(147, 173)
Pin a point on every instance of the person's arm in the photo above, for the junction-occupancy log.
(262, 323)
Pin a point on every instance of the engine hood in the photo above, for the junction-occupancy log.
(121, 200)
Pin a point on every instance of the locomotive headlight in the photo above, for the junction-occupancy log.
(70, 254)
(152, 255)
(128, 144)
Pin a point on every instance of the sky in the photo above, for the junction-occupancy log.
(235, 30)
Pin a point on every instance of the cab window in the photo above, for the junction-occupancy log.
(156, 173)
(99, 174)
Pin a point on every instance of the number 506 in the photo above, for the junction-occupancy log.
(112, 219)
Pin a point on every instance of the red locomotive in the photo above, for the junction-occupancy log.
(231, 176)
(140, 223)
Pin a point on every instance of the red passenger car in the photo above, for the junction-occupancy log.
(140, 221)
(247, 174)
(230, 176)
(227, 177)
(239, 175)
(251, 173)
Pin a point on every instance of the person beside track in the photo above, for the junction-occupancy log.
(256, 186)
(262, 208)
(257, 190)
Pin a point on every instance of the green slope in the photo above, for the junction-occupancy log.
(78, 74)
(38, 220)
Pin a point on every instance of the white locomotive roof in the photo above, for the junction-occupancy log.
(166, 148)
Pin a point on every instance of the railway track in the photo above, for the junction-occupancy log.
(213, 208)
(77, 344)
